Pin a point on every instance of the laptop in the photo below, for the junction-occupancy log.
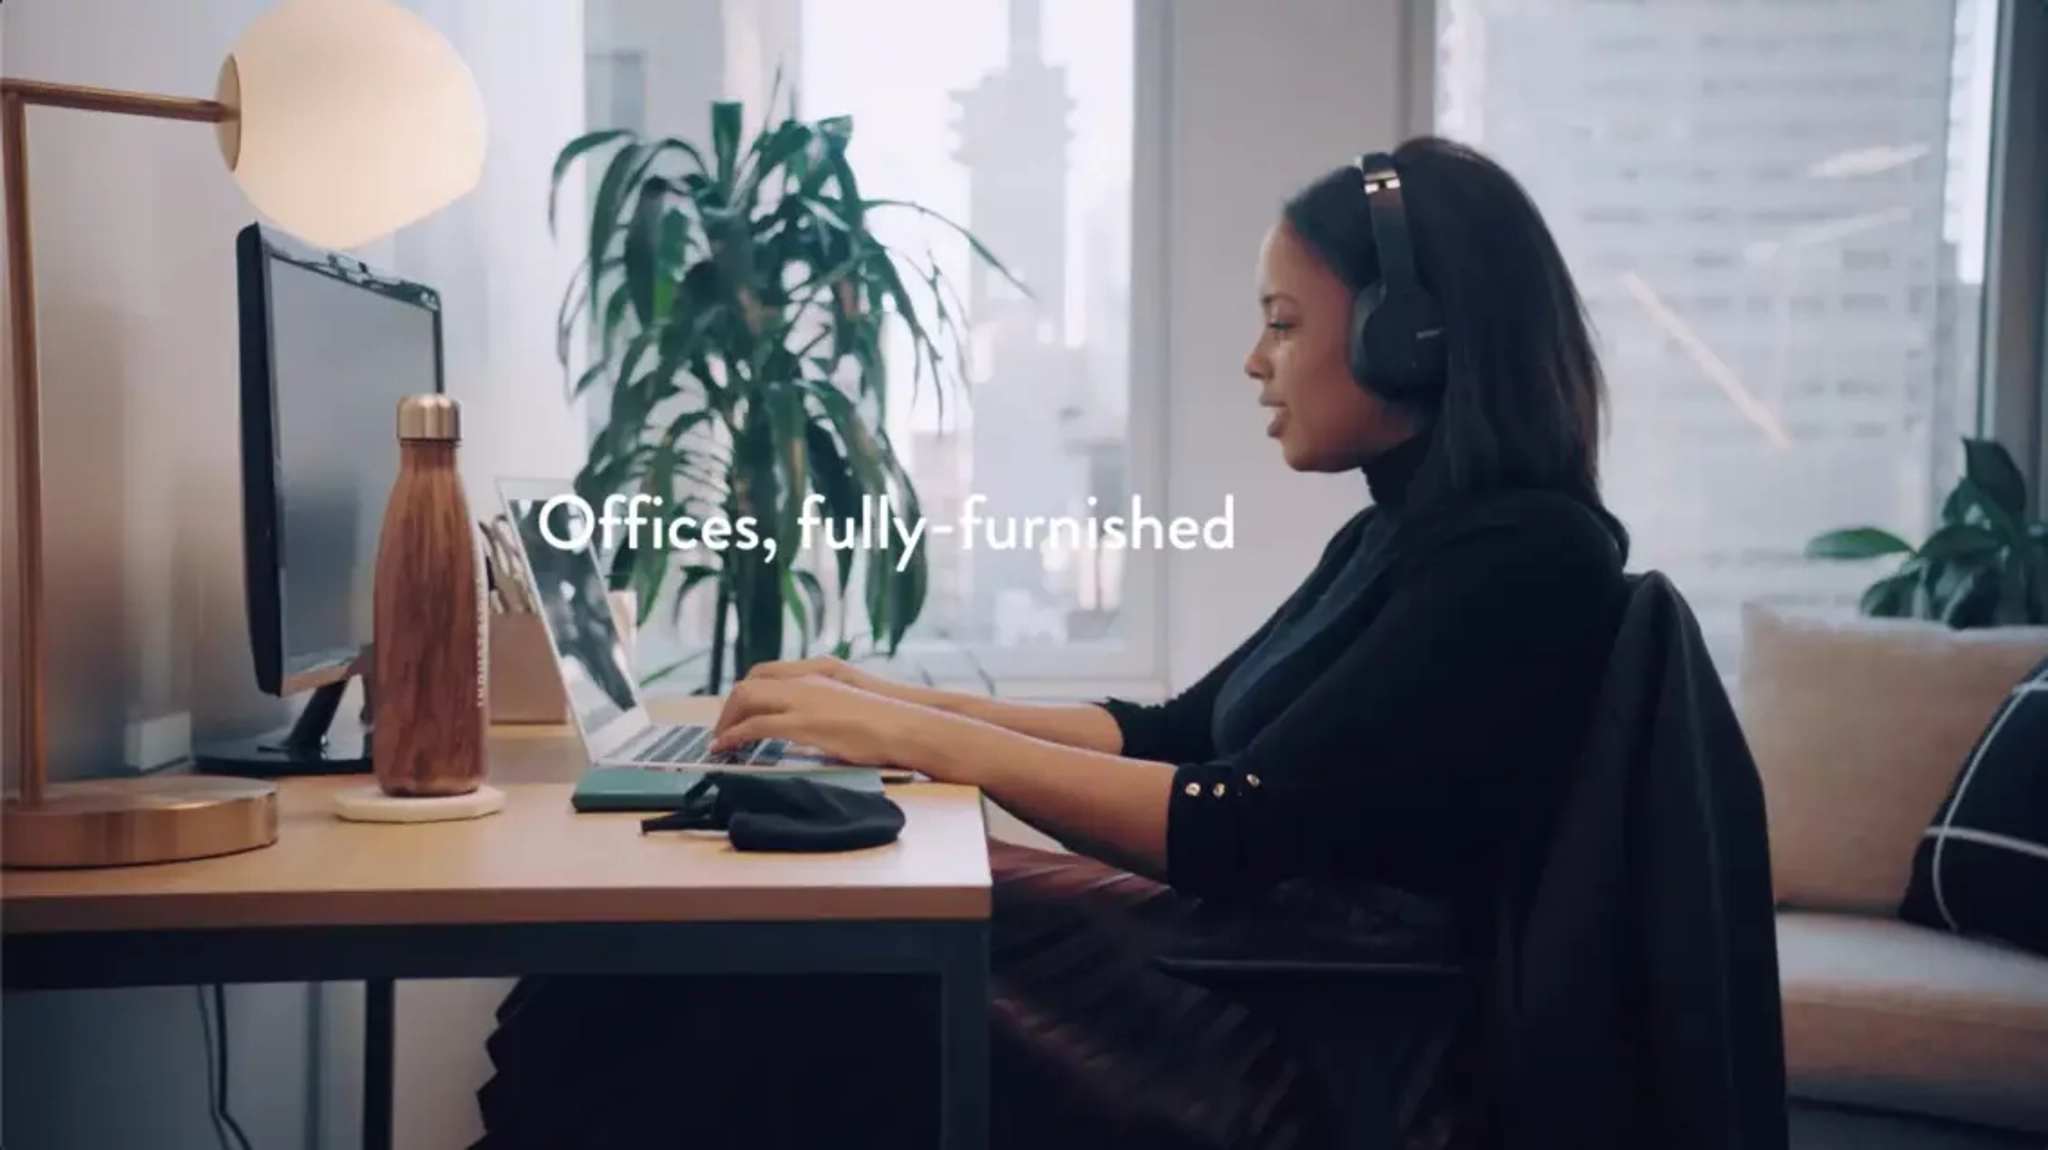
(605, 703)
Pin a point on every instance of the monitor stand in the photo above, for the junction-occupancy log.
(307, 747)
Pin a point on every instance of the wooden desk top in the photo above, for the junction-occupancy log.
(536, 861)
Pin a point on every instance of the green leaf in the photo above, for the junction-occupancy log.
(1980, 507)
(643, 249)
(1988, 466)
(629, 167)
(837, 487)
(725, 141)
(1890, 597)
(980, 249)
(1857, 543)
(2015, 577)
(1961, 541)
(567, 158)
(751, 288)
(1962, 596)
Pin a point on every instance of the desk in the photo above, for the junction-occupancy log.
(534, 889)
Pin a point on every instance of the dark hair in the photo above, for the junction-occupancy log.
(1524, 400)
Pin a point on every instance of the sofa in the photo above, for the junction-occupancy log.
(1897, 1035)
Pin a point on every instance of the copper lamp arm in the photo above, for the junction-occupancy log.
(26, 654)
(116, 102)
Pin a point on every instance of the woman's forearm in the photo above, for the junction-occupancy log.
(1082, 726)
(1102, 805)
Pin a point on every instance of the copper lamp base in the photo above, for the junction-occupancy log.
(133, 822)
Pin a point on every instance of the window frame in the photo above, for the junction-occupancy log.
(2013, 379)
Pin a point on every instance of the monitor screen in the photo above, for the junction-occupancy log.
(342, 356)
(570, 587)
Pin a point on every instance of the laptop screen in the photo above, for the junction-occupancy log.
(567, 581)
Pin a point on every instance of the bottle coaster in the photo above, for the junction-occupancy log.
(371, 805)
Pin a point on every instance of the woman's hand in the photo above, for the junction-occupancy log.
(839, 671)
(837, 718)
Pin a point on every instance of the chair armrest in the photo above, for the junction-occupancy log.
(1248, 970)
(1223, 950)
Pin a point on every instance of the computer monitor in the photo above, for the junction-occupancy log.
(329, 346)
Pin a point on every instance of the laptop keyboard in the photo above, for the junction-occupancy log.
(685, 746)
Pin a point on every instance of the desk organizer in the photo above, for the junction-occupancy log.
(526, 685)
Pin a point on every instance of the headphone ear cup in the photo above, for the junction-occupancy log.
(1401, 341)
(1363, 305)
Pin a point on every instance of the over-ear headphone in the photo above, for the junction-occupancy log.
(1397, 329)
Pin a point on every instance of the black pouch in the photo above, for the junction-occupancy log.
(784, 813)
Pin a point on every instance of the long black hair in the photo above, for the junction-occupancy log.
(1525, 400)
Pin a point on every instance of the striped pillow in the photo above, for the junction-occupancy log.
(1982, 867)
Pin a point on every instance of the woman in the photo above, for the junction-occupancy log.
(1365, 758)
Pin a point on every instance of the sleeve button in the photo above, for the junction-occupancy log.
(1251, 780)
(1220, 788)
(1194, 788)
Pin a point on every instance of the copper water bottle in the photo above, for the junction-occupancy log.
(429, 628)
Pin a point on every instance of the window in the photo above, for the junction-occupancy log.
(1014, 119)
(1726, 451)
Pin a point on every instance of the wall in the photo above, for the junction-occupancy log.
(134, 225)
(1262, 98)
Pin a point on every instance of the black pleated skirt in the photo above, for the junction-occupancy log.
(1090, 1046)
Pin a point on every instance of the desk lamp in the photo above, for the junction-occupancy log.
(343, 121)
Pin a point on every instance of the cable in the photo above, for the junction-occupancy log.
(220, 1019)
(213, 1025)
(220, 1130)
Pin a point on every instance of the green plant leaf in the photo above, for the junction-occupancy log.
(643, 250)
(567, 157)
(1977, 506)
(2015, 596)
(725, 142)
(838, 490)
(629, 167)
(1988, 466)
(2037, 585)
(1857, 543)
(816, 603)
(1961, 542)
(980, 249)
(1962, 595)
(750, 290)
(1890, 597)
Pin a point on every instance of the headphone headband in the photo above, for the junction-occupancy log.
(1382, 184)
(1396, 326)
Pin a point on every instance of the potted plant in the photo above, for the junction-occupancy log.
(1985, 565)
(738, 302)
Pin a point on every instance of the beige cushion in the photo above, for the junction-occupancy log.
(1885, 1014)
(1859, 727)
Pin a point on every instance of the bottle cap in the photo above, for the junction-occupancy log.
(430, 417)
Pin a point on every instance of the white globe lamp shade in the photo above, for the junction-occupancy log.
(353, 118)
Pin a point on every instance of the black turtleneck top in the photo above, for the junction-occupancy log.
(1424, 687)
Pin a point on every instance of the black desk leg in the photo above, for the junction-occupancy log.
(379, 1039)
(963, 1041)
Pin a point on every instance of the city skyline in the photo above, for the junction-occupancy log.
(1761, 207)
(1035, 160)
